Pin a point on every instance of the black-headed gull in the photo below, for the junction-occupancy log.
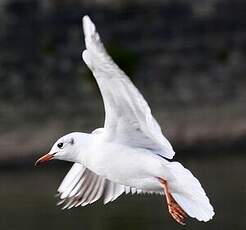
(128, 155)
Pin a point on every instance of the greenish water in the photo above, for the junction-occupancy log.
(28, 202)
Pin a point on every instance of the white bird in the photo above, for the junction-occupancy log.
(128, 155)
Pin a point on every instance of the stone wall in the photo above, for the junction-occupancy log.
(187, 57)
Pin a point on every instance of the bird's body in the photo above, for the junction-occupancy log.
(134, 167)
(140, 169)
(130, 154)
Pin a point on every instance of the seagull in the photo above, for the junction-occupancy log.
(129, 154)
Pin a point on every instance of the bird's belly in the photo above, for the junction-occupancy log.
(134, 167)
(145, 184)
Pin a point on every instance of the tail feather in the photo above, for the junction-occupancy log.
(188, 193)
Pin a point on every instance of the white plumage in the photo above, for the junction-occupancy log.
(125, 108)
(128, 154)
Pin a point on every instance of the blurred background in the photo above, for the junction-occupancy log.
(186, 57)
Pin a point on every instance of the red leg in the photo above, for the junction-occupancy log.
(173, 207)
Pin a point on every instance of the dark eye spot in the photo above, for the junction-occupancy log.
(72, 141)
(60, 145)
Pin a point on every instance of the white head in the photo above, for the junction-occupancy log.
(66, 148)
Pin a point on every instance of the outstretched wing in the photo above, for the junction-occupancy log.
(81, 187)
(128, 116)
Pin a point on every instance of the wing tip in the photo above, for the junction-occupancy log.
(86, 20)
(168, 155)
(172, 154)
(88, 25)
(206, 218)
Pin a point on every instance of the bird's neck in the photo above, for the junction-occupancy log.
(85, 144)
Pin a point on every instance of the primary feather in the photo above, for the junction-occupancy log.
(81, 187)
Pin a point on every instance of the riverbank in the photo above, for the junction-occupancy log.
(192, 131)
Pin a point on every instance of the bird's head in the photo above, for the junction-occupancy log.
(65, 148)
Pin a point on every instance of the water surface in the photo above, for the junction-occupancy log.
(28, 202)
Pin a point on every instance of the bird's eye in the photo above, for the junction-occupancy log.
(60, 145)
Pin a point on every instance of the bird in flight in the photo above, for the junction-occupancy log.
(129, 154)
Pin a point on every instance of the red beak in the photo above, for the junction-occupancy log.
(45, 158)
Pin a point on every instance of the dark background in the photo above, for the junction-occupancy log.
(186, 57)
